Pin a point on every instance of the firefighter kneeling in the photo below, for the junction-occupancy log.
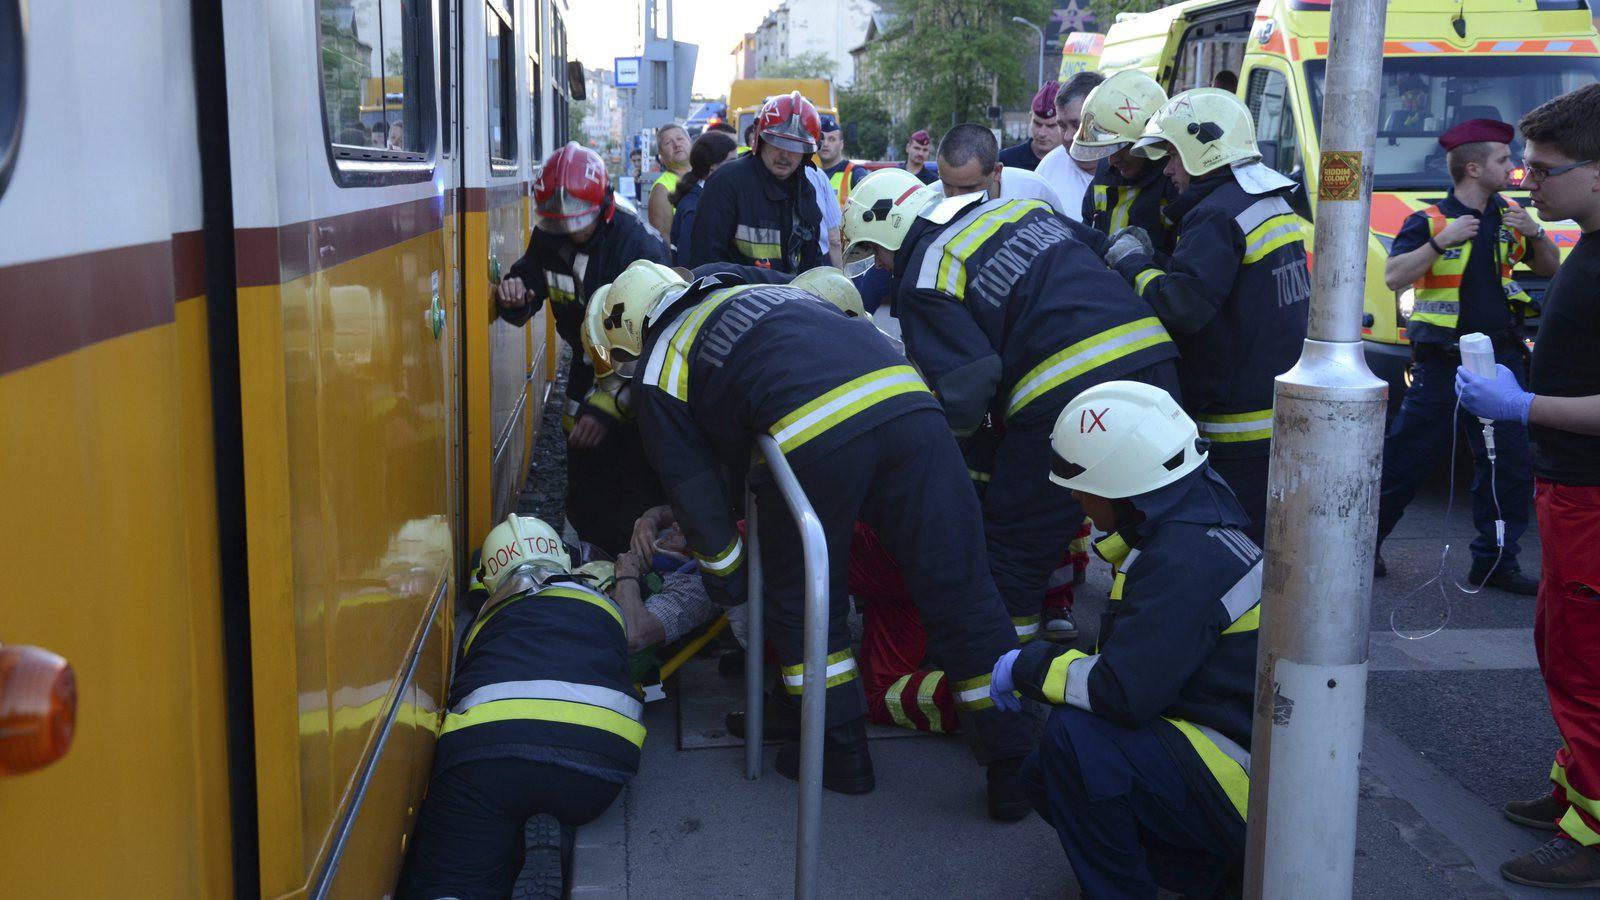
(1143, 769)
(543, 719)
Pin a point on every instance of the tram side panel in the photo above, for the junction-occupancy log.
(349, 414)
(109, 512)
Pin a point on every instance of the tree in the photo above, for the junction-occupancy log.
(803, 65)
(948, 58)
(862, 111)
(576, 114)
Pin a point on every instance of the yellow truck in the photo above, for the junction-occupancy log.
(746, 95)
(1444, 61)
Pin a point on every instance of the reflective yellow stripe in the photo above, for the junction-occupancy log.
(675, 365)
(891, 700)
(1112, 548)
(928, 705)
(1055, 678)
(1027, 627)
(565, 593)
(1086, 355)
(1278, 231)
(981, 477)
(973, 693)
(1571, 822)
(1118, 579)
(1100, 198)
(1122, 212)
(841, 667)
(1236, 427)
(844, 401)
(548, 711)
(1144, 278)
(605, 403)
(1231, 776)
(953, 267)
(724, 562)
(1250, 621)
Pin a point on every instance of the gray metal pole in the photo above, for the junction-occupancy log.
(1327, 446)
(1040, 31)
(754, 650)
(813, 705)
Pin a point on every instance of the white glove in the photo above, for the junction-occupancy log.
(1127, 242)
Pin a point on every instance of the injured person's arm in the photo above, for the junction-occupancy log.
(644, 629)
(671, 613)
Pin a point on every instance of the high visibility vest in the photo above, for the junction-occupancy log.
(1438, 292)
(841, 182)
(668, 180)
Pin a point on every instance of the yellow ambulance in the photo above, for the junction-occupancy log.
(1444, 61)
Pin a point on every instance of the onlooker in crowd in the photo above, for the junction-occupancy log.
(1562, 409)
(711, 149)
(761, 209)
(672, 152)
(397, 136)
(1068, 176)
(1412, 113)
(969, 163)
(1456, 258)
(515, 744)
(1044, 132)
(841, 170)
(918, 149)
(832, 216)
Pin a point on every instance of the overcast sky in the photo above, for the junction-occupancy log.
(599, 30)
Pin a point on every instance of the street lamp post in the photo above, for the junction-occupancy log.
(1040, 31)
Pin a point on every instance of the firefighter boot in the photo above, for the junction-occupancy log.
(846, 765)
(1007, 802)
(1560, 862)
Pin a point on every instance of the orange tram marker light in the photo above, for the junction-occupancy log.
(38, 708)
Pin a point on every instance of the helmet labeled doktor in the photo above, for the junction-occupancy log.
(519, 543)
(1204, 129)
(1121, 439)
(573, 192)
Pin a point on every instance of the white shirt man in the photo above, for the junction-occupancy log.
(1069, 180)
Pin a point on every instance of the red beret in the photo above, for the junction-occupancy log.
(921, 136)
(1044, 102)
(1474, 131)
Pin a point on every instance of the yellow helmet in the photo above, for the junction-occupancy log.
(602, 571)
(622, 311)
(1208, 127)
(834, 286)
(1115, 113)
(521, 541)
(883, 206)
(594, 333)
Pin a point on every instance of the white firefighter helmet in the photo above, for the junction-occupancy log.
(625, 308)
(594, 333)
(603, 572)
(1115, 113)
(834, 286)
(1121, 439)
(1208, 128)
(521, 541)
(882, 208)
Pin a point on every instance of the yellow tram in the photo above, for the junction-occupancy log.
(257, 407)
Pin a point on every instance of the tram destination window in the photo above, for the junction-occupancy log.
(377, 88)
(11, 86)
(502, 82)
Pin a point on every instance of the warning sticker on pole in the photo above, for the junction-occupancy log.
(1341, 175)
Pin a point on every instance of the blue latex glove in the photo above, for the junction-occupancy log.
(1001, 685)
(1499, 398)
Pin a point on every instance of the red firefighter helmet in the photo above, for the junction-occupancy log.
(790, 122)
(572, 191)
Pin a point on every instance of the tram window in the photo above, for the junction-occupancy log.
(502, 87)
(535, 110)
(11, 86)
(377, 86)
(447, 88)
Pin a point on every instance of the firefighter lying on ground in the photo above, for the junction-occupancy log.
(720, 363)
(1143, 769)
(543, 719)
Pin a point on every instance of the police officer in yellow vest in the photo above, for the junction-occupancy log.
(543, 719)
(1456, 260)
(842, 171)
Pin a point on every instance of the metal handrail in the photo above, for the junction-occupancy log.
(813, 699)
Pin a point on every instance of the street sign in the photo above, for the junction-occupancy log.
(627, 71)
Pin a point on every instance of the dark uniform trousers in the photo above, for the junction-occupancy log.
(468, 843)
(617, 486)
(1126, 814)
(1028, 519)
(905, 480)
(1420, 437)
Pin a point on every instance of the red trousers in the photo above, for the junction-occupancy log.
(894, 645)
(1566, 635)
